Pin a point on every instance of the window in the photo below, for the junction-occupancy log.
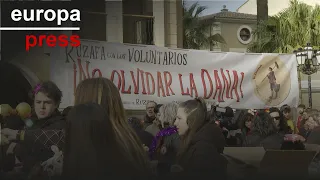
(244, 34)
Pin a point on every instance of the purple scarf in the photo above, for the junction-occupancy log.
(165, 132)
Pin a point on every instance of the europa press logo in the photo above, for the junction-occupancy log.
(49, 15)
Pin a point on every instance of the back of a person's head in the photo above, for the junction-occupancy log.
(316, 117)
(263, 124)
(168, 113)
(310, 111)
(103, 92)
(66, 111)
(90, 144)
(285, 109)
(274, 109)
(157, 108)
(229, 112)
(310, 123)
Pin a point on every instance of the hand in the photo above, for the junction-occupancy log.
(146, 148)
(294, 138)
(163, 150)
(10, 134)
(176, 168)
(156, 122)
(251, 111)
(53, 166)
(4, 140)
(11, 148)
(299, 138)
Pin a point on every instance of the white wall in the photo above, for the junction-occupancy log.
(274, 6)
(240, 50)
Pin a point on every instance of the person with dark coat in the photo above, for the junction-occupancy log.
(66, 111)
(31, 146)
(165, 145)
(202, 143)
(264, 133)
(314, 138)
(245, 125)
(279, 121)
(155, 127)
(150, 113)
(145, 137)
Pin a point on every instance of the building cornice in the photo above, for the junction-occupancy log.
(233, 20)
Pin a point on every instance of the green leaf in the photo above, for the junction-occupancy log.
(290, 29)
(196, 31)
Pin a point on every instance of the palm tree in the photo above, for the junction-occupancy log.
(290, 29)
(196, 32)
(262, 10)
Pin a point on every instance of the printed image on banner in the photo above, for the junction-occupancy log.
(272, 80)
(149, 73)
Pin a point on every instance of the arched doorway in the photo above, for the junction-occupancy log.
(27, 73)
(15, 87)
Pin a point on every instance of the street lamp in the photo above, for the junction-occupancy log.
(308, 60)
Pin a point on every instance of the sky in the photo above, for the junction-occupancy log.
(214, 6)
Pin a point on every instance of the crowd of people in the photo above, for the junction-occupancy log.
(95, 140)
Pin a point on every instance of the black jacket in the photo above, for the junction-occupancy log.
(144, 136)
(37, 142)
(273, 141)
(203, 158)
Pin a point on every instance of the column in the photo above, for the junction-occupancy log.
(171, 23)
(114, 21)
(159, 22)
(179, 16)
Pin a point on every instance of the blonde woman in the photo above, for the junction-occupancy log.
(167, 115)
(165, 145)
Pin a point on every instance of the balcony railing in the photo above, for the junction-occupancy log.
(138, 29)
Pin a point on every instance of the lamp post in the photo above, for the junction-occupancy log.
(308, 60)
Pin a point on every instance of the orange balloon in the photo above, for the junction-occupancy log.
(5, 110)
(24, 110)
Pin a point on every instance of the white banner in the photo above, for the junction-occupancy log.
(149, 73)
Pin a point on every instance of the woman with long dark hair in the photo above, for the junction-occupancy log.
(245, 125)
(264, 132)
(92, 150)
(103, 92)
